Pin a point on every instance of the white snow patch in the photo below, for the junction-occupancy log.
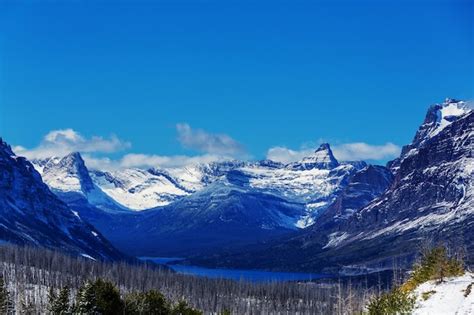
(336, 238)
(87, 256)
(76, 214)
(445, 115)
(447, 297)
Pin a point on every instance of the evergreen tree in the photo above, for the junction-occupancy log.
(6, 304)
(86, 299)
(51, 299)
(107, 297)
(60, 305)
(150, 302)
(182, 308)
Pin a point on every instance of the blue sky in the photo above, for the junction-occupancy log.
(207, 78)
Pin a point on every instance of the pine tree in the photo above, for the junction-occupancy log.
(107, 297)
(182, 308)
(51, 299)
(60, 305)
(86, 300)
(6, 304)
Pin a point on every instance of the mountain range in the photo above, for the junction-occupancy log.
(206, 207)
(316, 214)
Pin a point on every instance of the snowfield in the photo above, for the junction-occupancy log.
(452, 296)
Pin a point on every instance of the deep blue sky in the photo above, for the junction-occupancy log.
(266, 75)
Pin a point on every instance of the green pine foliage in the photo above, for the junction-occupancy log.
(182, 308)
(435, 264)
(103, 297)
(60, 305)
(395, 302)
(86, 302)
(6, 304)
(150, 302)
(107, 297)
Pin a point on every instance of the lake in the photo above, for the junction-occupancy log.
(235, 274)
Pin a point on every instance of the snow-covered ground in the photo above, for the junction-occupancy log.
(452, 296)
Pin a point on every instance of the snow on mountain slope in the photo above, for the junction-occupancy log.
(138, 189)
(322, 158)
(30, 214)
(431, 198)
(438, 117)
(65, 174)
(69, 178)
(315, 181)
(454, 296)
(316, 188)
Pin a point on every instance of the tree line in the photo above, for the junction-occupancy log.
(40, 281)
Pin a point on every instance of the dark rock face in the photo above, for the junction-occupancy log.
(30, 214)
(363, 187)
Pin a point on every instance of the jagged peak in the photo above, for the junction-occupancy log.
(322, 158)
(438, 117)
(324, 147)
(322, 155)
(69, 172)
(73, 159)
(4, 146)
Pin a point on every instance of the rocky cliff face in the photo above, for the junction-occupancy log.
(30, 214)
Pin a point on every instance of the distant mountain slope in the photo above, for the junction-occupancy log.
(221, 215)
(431, 199)
(31, 214)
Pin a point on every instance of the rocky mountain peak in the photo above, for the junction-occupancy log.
(68, 173)
(438, 117)
(5, 147)
(322, 158)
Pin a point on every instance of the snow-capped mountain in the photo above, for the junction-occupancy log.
(138, 189)
(438, 117)
(252, 201)
(322, 158)
(30, 214)
(315, 181)
(431, 198)
(69, 178)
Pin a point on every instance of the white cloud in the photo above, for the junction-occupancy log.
(64, 141)
(216, 147)
(203, 141)
(364, 151)
(143, 160)
(285, 155)
(134, 160)
(342, 152)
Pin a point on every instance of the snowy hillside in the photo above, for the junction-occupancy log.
(453, 296)
(138, 189)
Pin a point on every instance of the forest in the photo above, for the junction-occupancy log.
(39, 281)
